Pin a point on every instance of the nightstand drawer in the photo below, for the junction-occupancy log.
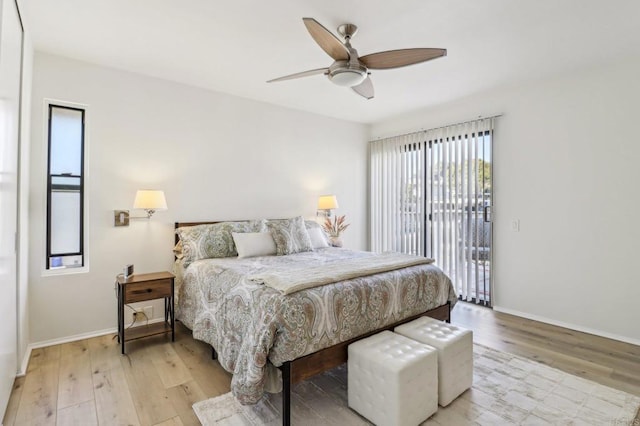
(138, 292)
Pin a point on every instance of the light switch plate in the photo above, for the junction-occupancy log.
(121, 217)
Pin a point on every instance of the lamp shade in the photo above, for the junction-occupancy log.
(150, 199)
(327, 202)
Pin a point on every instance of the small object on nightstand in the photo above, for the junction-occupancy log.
(142, 287)
(127, 271)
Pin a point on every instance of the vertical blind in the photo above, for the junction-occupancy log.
(430, 196)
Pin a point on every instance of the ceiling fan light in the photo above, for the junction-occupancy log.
(348, 77)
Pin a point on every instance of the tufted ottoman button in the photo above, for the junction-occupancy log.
(455, 354)
(392, 380)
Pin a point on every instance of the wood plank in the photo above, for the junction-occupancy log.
(39, 395)
(104, 352)
(183, 397)
(170, 367)
(629, 380)
(40, 356)
(114, 404)
(14, 401)
(74, 349)
(176, 421)
(147, 390)
(208, 374)
(83, 414)
(75, 384)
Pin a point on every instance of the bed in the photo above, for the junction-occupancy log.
(268, 340)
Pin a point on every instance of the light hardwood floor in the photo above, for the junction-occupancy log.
(89, 382)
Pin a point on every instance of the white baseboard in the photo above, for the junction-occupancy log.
(567, 325)
(61, 340)
(25, 362)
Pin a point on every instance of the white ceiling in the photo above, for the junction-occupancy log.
(235, 46)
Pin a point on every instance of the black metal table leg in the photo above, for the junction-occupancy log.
(121, 318)
(166, 310)
(172, 312)
(286, 394)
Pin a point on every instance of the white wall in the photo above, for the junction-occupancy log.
(217, 157)
(567, 165)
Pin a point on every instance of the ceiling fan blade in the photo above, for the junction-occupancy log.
(300, 74)
(364, 89)
(400, 58)
(326, 40)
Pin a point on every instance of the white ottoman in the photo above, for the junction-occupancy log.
(455, 354)
(392, 380)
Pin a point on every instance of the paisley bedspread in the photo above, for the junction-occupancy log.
(252, 326)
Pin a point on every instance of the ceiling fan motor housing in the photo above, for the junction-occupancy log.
(347, 73)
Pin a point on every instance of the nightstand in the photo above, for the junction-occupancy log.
(141, 287)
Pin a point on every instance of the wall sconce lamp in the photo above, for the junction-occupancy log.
(150, 200)
(326, 203)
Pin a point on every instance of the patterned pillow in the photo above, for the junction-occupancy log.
(214, 240)
(290, 235)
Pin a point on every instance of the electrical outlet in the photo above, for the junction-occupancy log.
(137, 316)
(141, 315)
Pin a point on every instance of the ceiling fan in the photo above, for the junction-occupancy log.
(348, 69)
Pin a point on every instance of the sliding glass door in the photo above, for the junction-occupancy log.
(431, 195)
(458, 227)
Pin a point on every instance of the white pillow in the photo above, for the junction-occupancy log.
(318, 240)
(251, 244)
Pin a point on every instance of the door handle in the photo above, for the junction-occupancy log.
(486, 212)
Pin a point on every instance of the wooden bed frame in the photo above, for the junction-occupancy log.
(325, 359)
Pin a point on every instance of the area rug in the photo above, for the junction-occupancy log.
(507, 389)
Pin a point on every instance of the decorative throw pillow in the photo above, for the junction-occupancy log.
(290, 235)
(318, 239)
(251, 244)
(311, 224)
(214, 240)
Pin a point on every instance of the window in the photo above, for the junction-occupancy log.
(65, 187)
